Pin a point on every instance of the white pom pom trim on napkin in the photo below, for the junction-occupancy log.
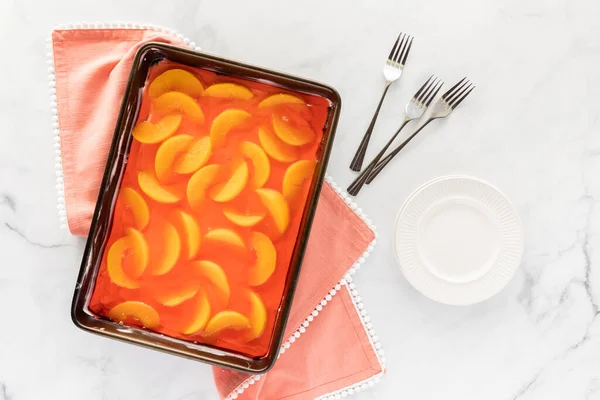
(58, 167)
(346, 283)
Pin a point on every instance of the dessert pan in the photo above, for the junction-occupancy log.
(147, 56)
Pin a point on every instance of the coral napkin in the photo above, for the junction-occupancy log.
(331, 349)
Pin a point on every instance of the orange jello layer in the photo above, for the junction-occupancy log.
(209, 208)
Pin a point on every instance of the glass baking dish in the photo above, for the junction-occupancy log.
(205, 207)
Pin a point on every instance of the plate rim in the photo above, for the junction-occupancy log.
(519, 224)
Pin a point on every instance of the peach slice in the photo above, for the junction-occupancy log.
(171, 102)
(140, 252)
(134, 201)
(177, 297)
(137, 310)
(226, 236)
(257, 317)
(167, 152)
(171, 249)
(147, 132)
(228, 91)
(192, 233)
(229, 190)
(224, 122)
(290, 134)
(277, 207)
(175, 80)
(294, 177)
(214, 273)
(153, 189)
(196, 188)
(260, 163)
(243, 219)
(114, 265)
(266, 259)
(280, 98)
(226, 320)
(196, 155)
(202, 313)
(275, 148)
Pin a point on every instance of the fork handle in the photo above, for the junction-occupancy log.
(359, 157)
(358, 183)
(381, 165)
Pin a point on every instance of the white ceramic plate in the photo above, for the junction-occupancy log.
(458, 240)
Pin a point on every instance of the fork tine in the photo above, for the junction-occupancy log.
(450, 99)
(391, 56)
(418, 94)
(451, 90)
(400, 49)
(407, 51)
(457, 102)
(434, 94)
(432, 86)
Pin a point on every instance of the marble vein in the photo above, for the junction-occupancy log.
(582, 241)
(31, 242)
(9, 202)
(586, 255)
(527, 386)
(4, 392)
(592, 389)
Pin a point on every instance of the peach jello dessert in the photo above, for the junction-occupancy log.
(209, 208)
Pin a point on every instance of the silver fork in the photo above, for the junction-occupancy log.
(392, 70)
(441, 109)
(414, 109)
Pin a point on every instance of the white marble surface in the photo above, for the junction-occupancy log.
(531, 128)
